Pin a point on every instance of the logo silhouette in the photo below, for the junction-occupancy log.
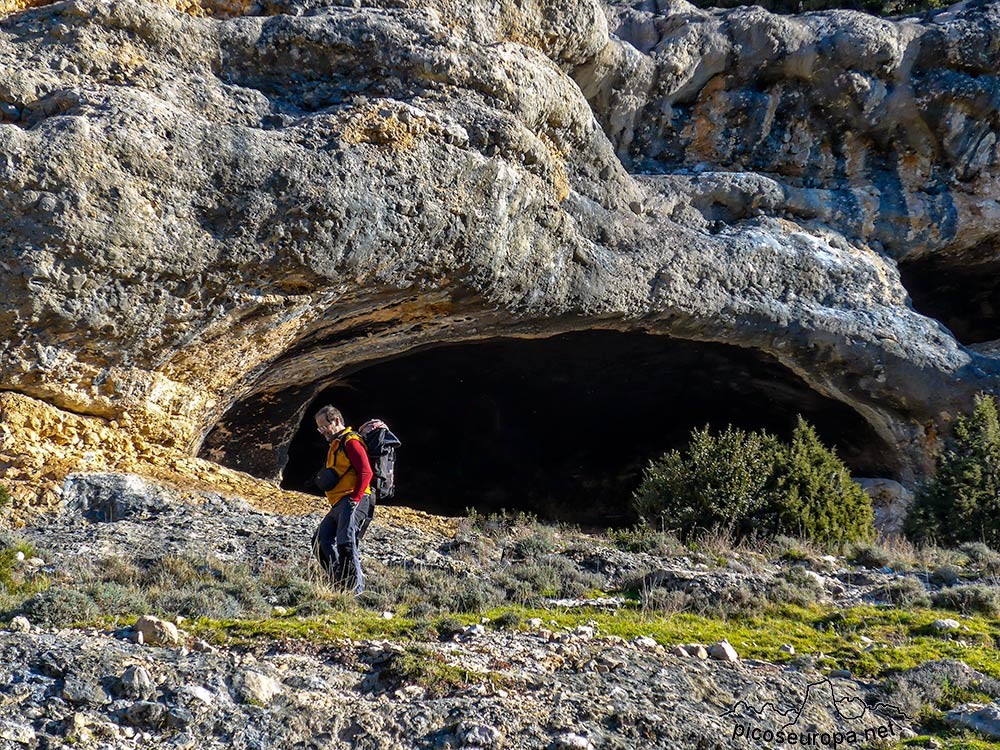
(847, 709)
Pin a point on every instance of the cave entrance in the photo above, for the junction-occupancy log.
(563, 426)
(963, 294)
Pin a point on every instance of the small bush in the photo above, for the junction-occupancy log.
(749, 482)
(907, 593)
(5, 496)
(795, 586)
(198, 602)
(60, 605)
(430, 670)
(946, 575)
(447, 627)
(985, 559)
(554, 576)
(507, 621)
(644, 538)
(816, 498)
(962, 502)
(970, 599)
(114, 598)
(718, 481)
(869, 556)
(118, 570)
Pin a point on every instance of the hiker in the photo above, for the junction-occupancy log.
(346, 479)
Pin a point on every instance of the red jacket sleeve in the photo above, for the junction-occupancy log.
(359, 460)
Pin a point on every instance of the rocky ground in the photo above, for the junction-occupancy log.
(477, 680)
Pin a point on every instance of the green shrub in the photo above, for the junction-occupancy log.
(907, 593)
(60, 605)
(114, 598)
(750, 482)
(985, 559)
(718, 481)
(970, 599)
(5, 497)
(946, 575)
(795, 586)
(506, 621)
(869, 556)
(644, 538)
(961, 503)
(817, 500)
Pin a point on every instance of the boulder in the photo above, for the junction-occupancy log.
(982, 718)
(723, 651)
(157, 632)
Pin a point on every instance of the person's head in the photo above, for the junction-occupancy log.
(329, 421)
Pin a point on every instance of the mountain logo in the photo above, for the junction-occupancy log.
(779, 725)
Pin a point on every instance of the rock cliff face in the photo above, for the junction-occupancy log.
(210, 217)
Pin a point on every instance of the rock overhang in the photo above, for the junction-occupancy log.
(236, 208)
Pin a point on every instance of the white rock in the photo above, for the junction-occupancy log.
(478, 735)
(254, 687)
(584, 631)
(723, 651)
(946, 624)
(984, 719)
(279, 611)
(21, 734)
(157, 632)
(696, 650)
(20, 624)
(199, 693)
(535, 622)
(387, 615)
(19, 556)
(571, 741)
(644, 641)
(787, 648)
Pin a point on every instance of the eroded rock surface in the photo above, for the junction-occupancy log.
(209, 219)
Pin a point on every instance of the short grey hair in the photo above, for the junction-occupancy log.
(332, 414)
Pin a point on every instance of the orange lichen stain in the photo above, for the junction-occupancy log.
(703, 129)
(559, 175)
(198, 8)
(383, 129)
(13, 6)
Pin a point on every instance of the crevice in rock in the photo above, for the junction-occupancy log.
(563, 426)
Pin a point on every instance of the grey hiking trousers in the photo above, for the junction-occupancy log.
(335, 542)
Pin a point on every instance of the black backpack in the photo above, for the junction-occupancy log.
(381, 445)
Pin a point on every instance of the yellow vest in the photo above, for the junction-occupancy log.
(338, 460)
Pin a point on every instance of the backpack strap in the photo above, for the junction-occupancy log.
(342, 440)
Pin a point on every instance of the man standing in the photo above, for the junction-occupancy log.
(346, 481)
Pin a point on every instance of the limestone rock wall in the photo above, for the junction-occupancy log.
(208, 218)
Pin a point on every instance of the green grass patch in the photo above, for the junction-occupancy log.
(358, 624)
(950, 741)
(433, 672)
(901, 639)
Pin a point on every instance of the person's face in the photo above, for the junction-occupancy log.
(328, 428)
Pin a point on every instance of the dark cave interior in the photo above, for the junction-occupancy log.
(965, 296)
(563, 426)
